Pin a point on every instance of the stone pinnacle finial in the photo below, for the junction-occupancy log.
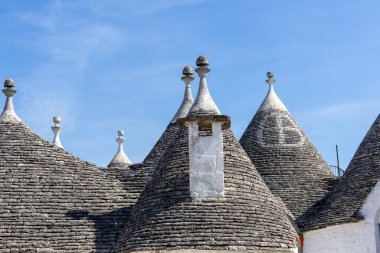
(271, 101)
(9, 114)
(187, 71)
(270, 79)
(9, 83)
(187, 101)
(204, 104)
(56, 130)
(120, 157)
(202, 61)
(187, 76)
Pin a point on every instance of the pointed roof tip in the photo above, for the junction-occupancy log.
(9, 114)
(56, 130)
(271, 100)
(120, 158)
(187, 101)
(204, 104)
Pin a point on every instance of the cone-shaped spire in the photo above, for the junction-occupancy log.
(271, 101)
(171, 130)
(9, 114)
(120, 157)
(187, 101)
(56, 130)
(284, 156)
(204, 104)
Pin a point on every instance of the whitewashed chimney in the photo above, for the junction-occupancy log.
(57, 130)
(205, 125)
(9, 114)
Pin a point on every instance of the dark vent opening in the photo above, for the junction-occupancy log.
(205, 128)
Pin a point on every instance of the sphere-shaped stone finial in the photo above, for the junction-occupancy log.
(9, 83)
(57, 119)
(187, 71)
(120, 133)
(202, 61)
(270, 79)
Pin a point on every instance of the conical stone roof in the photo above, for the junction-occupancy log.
(53, 201)
(285, 157)
(245, 217)
(166, 217)
(363, 173)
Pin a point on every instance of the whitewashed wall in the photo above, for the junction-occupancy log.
(360, 237)
(206, 162)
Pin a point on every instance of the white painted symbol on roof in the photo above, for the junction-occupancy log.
(279, 130)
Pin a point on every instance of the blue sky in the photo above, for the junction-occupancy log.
(109, 65)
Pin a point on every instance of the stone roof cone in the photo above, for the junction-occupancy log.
(66, 196)
(56, 130)
(9, 113)
(290, 165)
(168, 216)
(120, 158)
(345, 202)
